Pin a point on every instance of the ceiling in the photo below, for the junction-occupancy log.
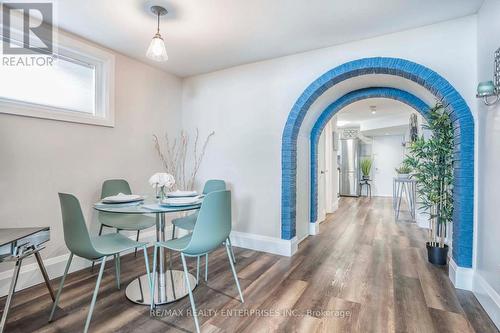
(204, 36)
(386, 111)
(392, 130)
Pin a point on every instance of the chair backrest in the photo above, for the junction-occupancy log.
(213, 185)
(213, 224)
(76, 235)
(114, 186)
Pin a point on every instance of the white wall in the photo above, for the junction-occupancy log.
(322, 173)
(388, 154)
(332, 179)
(248, 106)
(327, 182)
(43, 157)
(487, 265)
(335, 172)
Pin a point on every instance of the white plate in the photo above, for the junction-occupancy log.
(122, 198)
(178, 202)
(182, 194)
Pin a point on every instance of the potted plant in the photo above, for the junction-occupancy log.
(366, 166)
(432, 163)
(404, 170)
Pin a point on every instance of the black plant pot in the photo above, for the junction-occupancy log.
(437, 255)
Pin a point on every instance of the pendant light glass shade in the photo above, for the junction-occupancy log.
(157, 50)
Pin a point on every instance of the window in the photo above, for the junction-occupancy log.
(75, 84)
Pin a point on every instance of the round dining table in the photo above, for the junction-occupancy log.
(171, 284)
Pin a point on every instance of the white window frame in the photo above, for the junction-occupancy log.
(75, 50)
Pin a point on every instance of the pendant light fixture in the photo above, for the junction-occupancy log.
(157, 50)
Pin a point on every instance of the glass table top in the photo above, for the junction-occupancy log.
(142, 207)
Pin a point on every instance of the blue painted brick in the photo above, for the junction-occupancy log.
(463, 122)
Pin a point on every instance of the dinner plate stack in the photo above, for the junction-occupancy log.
(182, 201)
(122, 198)
(182, 194)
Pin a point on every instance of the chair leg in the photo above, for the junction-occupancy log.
(146, 262)
(153, 280)
(173, 231)
(60, 287)
(191, 299)
(234, 272)
(136, 239)
(197, 269)
(170, 269)
(93, 262)
(231, 248)
(117, 270)
(206, 267)
(94, 296)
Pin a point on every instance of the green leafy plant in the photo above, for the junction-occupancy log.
(432, 163)
(404, 169)
(366, 166)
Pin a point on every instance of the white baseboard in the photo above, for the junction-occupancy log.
(264, 243)
(460, 277)
(488, 297)
(313, 228)
(30, 274)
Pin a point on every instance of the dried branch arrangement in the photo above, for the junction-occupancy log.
(173, 155)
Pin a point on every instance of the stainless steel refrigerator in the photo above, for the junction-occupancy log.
(349, 167)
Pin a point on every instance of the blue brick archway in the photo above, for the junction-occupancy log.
(349, 98)
(463, 123)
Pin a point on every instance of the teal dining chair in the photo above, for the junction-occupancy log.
(188, 222)
(212, 228)
(80, 243)
(128, 222)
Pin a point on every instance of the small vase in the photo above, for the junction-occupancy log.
(160, 193)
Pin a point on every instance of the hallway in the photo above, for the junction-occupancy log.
(362, 273)
(364, 262)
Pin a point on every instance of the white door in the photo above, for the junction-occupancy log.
(321, 178)
(387, 155)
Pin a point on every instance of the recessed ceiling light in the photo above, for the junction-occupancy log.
(373, 108)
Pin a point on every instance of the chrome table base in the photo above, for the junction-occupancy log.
(174, 288)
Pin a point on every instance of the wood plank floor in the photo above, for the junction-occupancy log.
(363, 273)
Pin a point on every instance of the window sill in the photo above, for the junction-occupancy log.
(52, 113)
